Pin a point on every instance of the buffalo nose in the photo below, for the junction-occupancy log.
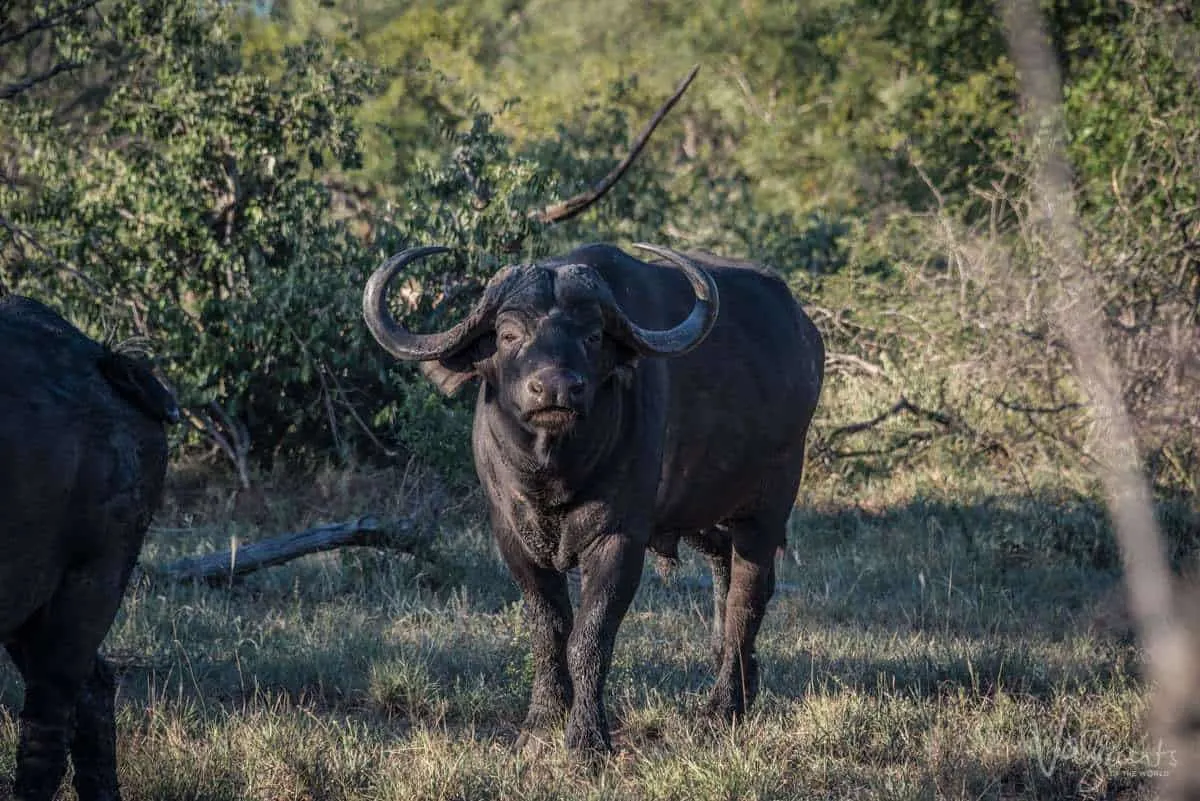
(556, 387)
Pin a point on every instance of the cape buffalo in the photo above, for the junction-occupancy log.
(605, 426)
(83, 455)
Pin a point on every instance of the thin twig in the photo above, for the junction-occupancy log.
(19, 233)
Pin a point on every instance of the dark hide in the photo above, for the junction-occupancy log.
(82, 461)
(635, 453)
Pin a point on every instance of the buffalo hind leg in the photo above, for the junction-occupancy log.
(46, 719)
(56, 655)
(94, 747)
(751, 585)
(716, 546)
(547, 611)
(721, 566)
(612, 570)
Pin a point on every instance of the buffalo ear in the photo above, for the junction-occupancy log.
(450, 373)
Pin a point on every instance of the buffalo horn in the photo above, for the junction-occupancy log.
(689, 333)
(398, 340)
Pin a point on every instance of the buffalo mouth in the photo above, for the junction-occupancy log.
(552, 418)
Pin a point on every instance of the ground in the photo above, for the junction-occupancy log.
(923, 644)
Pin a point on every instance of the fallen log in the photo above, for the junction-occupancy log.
(223, 567)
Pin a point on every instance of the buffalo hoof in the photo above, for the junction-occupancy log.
(723, 707)
(734, 691)
(533, 744)
(728, 702)
(588, 745)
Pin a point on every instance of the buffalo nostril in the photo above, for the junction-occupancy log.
(535, 387)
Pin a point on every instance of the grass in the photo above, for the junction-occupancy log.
(924, 644)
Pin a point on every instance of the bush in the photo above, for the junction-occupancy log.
(190, 209)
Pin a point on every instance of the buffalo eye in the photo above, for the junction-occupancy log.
(594, 338)
(509, 336)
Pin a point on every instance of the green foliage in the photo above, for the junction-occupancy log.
(185, 208)
(189, 209)
(221, 178)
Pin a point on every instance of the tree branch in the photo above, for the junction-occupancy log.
(19, 233)
(47, 22)
(14, 89)
(899, 407)
(1169, 635)
(566, 209)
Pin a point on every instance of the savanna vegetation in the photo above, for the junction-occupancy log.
(213, 182)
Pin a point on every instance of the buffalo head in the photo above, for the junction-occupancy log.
(545, 338)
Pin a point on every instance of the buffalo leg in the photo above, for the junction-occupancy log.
(547, 609)
(751, 585)
(93, 748)
(56, 654)
(717, 547)
(612, 570)
(45, 726)
(720, 564)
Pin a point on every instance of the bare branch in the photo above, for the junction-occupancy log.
(899, 407)
(854, 428)
(1024, 408)
(14, 89)
(20, 234)
(228, 434)
(903, 443)
(340, 397)
(566, 209)
(47, 22)
(847, 362)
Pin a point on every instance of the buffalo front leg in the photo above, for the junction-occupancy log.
(547, 612)
(751, 585)
(612, 570)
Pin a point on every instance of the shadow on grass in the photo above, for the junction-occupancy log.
(982, 673)
(1029, 565)
(1007, 530)
(1014, 594)
(987, 584)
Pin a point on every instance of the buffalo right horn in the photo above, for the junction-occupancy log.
(398, 340)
